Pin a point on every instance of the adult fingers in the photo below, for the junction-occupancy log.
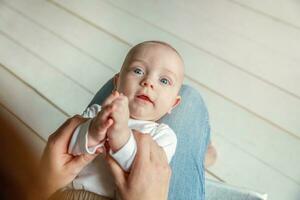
(63, 134)
(106, 112)
(79, 162)
(108, 123)
(159, 158)
(157, 154)
(110, 98)
(118, 173)
(143, 148)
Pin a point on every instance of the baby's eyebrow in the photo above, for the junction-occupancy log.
(172, 73)
(138, 60)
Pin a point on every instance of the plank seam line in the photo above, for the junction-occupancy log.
(245, 108)
(57, 4)
(35, 90)
(257, 158)
(61, 38)
(257, 11)
(21, 121)
(239, 105)
(229, 63)
(213, 175)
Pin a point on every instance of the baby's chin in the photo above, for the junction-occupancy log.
(142, 116)
(143, 113)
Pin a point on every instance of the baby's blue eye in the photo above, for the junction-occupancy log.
(138, 71)
(165, 81)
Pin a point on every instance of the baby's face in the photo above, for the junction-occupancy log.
(151, 79)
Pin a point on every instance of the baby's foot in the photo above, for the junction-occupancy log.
(210, 156)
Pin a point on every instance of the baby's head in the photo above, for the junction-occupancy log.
(151, 77)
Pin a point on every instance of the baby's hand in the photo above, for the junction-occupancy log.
(119, 133)
(99, 125)
(120, 114)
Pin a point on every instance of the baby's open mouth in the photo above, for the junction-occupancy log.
(145, 98)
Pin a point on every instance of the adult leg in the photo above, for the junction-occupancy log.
(190, 122)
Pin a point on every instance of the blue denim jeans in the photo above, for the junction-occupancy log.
(190, 122)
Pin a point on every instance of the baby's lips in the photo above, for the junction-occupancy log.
(145, 97)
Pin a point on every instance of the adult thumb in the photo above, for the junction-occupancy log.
(117, 171)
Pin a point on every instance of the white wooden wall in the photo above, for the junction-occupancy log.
(242, 55)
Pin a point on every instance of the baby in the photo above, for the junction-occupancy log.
(146, 89)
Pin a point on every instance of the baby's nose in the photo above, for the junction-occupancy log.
(147, 84)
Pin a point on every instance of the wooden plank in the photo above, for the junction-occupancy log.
(242, 88)
(89, 40)
(28, 105)
(54, 86)
(62, 58)
(216, 37)
(244, 138)
(52, 83)
(286, 11)
(27, 134)
(252, 135)
(252, 174)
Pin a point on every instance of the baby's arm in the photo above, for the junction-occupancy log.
(165, 138)
(79, 141)
(98, 126)
(91, 135)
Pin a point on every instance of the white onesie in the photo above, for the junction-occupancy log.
(96, 176)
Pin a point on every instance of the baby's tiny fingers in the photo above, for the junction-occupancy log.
(120, 101)
(110, 98)
(106, 112)
(108, 123)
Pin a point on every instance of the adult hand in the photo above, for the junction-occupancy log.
(58, 168)
(150, 173)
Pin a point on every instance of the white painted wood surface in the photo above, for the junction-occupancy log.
(284, 11)
(53, 52)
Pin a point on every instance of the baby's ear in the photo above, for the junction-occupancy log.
(176, 103)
